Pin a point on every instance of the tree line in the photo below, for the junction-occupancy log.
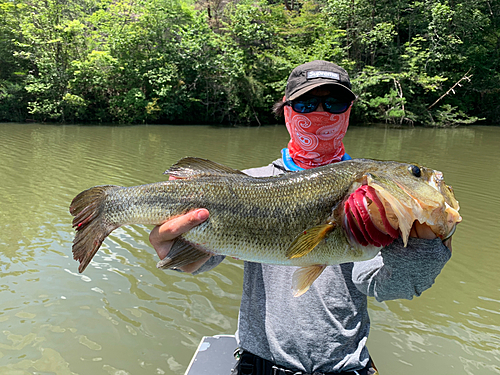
(429, 62)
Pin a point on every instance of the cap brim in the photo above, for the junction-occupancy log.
(349, 94)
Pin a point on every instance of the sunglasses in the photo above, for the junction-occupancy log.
(311, 102)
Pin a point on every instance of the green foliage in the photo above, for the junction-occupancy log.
(12, 101)
(448, 116)
(178, 61)
(94, 80)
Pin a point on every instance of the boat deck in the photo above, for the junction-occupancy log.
(214, 356)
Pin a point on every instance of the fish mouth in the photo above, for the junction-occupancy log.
(373, 215)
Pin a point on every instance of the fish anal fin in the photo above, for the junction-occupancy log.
(308, 240)
(190, 167)
(181, 254)
(303, 278)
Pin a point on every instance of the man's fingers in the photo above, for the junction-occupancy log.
(181, 224)
(162, 235)
(422, 231)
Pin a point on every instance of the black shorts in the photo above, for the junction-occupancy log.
(250, 364)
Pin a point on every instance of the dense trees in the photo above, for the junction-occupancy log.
(431, 62)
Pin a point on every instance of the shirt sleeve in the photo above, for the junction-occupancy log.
(401, 272)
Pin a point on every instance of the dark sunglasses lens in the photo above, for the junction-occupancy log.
(332, 105)
(306, 105)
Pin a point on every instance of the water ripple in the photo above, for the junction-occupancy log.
(56, 320)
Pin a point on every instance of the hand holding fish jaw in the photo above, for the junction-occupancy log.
(162, 236)
(422, 231)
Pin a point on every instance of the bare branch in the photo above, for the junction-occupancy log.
(465, 77)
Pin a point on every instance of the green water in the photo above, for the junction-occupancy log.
(124, 316)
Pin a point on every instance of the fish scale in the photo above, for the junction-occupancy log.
(293, 219)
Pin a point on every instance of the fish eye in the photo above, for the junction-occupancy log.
(415, 170)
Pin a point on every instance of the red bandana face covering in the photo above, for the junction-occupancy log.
(316, 137)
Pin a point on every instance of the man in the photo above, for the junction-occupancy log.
(325, 330)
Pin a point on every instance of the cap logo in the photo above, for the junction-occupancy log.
(322, 74)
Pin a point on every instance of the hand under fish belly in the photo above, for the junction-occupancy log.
(339, 213)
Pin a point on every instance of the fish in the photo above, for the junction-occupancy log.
(342, 212)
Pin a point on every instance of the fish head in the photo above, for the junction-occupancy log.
(396, 195)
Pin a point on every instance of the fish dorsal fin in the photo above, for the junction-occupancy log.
(191, 167)
(308, 240)
(303, 278)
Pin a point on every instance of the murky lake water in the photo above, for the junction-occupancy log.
(124, 316)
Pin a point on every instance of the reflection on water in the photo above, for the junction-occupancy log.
(124, 316)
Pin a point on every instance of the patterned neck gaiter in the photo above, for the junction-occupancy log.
(316, 137)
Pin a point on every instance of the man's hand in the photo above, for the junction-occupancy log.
(162, 236)
(422, 231)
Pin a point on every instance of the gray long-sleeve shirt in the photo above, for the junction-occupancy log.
(326, 329)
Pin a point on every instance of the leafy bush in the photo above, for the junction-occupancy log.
(173, 61)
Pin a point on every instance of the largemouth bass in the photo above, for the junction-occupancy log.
(343, 212)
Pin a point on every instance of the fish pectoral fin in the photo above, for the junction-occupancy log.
(308, 240)
(190, 167)
(303, 278)
(181, 254)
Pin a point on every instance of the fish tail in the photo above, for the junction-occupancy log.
(89, 223)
